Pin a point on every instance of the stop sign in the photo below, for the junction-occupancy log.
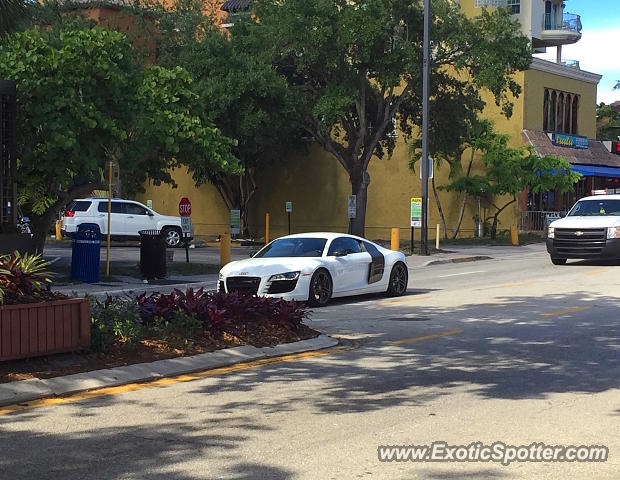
(185, 207)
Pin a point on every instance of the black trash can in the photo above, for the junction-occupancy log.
(152, 254)
(86, 254)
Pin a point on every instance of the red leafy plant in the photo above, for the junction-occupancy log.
(223, 312)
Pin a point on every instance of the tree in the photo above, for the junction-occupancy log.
(240, 92)
(355, 68)
(607, 122)
(75, 116)
(12, 14)
(510, 171)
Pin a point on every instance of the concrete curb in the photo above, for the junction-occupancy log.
(475, 258)
(35, 389)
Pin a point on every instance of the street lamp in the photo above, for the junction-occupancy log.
(425, 123)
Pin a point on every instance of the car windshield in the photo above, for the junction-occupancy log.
(594, 208)
(293, 247)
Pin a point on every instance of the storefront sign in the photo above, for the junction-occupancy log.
(571, 141)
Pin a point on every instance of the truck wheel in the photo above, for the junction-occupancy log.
(558, 261)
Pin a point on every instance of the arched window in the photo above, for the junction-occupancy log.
(546, 110)
(560, 114)
(568, 104)
(554, 98)
(574, 114)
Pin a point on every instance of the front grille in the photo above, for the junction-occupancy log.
(580, 242)
(247, 285)
(220, 286)
(282, 286)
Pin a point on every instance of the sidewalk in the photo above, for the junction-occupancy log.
(35, 388)
(473, 253)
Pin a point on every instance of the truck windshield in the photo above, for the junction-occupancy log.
(293, 247)
(594, 208)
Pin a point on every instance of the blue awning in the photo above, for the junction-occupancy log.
(596, 171)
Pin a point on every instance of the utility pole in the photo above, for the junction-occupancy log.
(425, 123)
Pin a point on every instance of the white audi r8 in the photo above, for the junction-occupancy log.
(315, 267)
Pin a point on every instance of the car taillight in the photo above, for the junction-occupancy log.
(69, 213)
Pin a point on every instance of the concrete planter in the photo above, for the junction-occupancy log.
(37, 329)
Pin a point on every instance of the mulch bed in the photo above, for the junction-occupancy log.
(146, 351)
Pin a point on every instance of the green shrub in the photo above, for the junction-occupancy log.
(114, 321)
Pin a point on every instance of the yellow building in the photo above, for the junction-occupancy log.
(556, 96)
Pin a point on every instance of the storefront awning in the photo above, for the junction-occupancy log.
(595, 155)
(597, 171)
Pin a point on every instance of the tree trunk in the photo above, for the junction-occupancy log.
(359, 188)
(441, 215)
(457, 228)
(496, 218)
(237, 191)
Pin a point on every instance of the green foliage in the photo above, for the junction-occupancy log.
(512, 170)
(238, 90)
(114, 321)
(178, 330)
(354, 66)
(24, 279)
(607, 122)
(77, 115)
(13, 13)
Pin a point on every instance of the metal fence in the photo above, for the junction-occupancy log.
(537, 221)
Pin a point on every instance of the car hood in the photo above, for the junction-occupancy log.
(586, 222)
(257, 267)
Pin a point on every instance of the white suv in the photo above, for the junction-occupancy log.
(127, 219)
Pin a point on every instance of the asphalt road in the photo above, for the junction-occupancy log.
(513, 350)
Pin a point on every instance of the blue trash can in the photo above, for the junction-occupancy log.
(85, 254)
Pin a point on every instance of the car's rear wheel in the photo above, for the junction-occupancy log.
(558, 261)
(321, 287)
(399, 278)
(172, 236)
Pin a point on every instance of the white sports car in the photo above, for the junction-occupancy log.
(315, 267)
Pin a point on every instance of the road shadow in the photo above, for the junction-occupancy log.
(504, 350)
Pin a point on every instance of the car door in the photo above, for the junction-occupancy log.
(137, 218)
(351, 269)
(117, 226)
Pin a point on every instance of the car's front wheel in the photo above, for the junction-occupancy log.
(321, 287)
(558, 261)
(399, 278)
(172, 236)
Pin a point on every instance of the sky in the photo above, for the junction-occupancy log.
(597, 51)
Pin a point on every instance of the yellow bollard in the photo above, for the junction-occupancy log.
(58, 230)
(266, 228)
(224, 249)
(395, 243)
(437, 238)
(514, 235)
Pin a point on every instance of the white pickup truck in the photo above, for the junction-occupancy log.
(590, 230)
(127, 219)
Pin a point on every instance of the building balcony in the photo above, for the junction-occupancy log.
(560, 32)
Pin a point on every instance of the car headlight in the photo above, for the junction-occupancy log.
(220, 277)
(550, 232)
(284, 276)
(613, 232)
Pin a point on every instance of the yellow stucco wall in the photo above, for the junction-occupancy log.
(534, 88)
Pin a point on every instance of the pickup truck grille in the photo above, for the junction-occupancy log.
(580, 242)
(247, 285)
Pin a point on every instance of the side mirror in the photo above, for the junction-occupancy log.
(340, 253)
(150, 214)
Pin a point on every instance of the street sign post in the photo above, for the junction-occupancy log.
(235, 222)
(351, 210)
(289, 208)
(185, 211)
(416, 216)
